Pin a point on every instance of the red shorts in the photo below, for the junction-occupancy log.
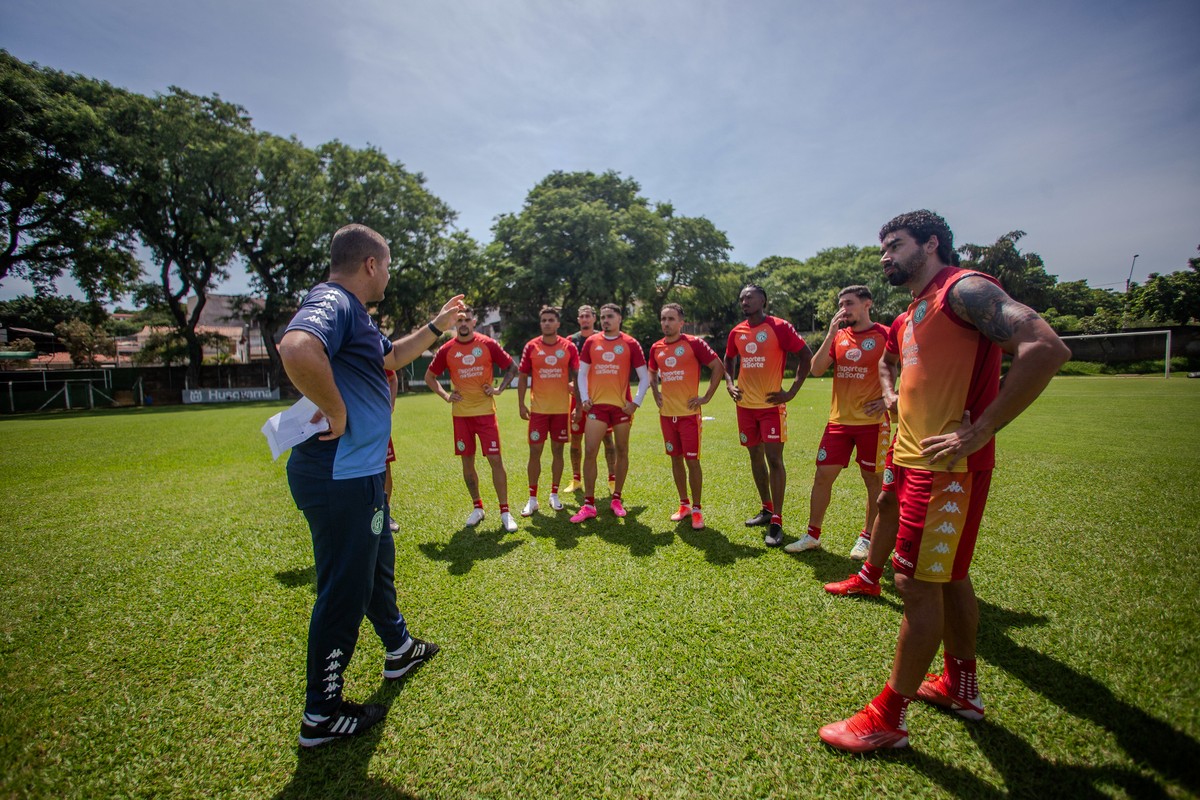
(609, 415)
(391, 456)
(483, 426)
(939, 522)
(547, 426)
(758, 425)
(870, 443)
(577, 427)
(681, 435)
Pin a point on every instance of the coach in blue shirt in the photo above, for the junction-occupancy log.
(335, 355)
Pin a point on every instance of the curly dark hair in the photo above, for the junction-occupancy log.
(921, 225)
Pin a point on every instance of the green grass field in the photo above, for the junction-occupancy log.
(157, 584)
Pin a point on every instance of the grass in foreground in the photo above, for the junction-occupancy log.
(158, 581)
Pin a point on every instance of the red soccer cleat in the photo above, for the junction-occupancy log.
(935, 690)
(682, 513)
(697, 521)
(853, 585)
(865, 732)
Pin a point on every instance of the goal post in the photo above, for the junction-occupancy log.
(1166, 352)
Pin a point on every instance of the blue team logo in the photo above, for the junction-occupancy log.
(743, 438)
(477, 352)
(888, 477)
(377, 522)
(461, 445)
(535, 436)
(619, 349)
(760, 337)
(679, 350)
(919, 314)
(869, 344)
(821, 454)
(670, 447)
(559, 353)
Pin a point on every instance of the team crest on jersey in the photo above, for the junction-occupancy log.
(610, 357)
(461, 445)
(477, 352)
(551, 361)
(670, 361)
(853, 354)
(559, 353)
(760, 337)
(751, 347)
(535, 436)
(679, 350)
(821, 454)
(919, 313)
(377, 522)
(619, 349)
(743, 438)
(468, 360)
(869, 344)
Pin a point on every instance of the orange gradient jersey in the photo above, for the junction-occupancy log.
(549, 369)
(470, 364)
(947, 367)
(856, 356)
(612, 361)
(762, 351)
(678, 366)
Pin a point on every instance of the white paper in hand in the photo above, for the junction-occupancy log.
(289, 428)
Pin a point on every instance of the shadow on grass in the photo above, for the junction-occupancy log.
(339, 769)
(468, 546)
(557, 526)
(717, 547)
(628, 532)
(303, 576)
(826, 566)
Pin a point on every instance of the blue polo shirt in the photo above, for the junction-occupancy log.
(356, 349)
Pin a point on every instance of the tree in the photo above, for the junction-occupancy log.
(1023, 275)
(84, 342)
(579, 238)
(695, 251)
(57, 196)
(186, 171)
(1173, 298)
(41, 312)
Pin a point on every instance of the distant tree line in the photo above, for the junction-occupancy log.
(90, 173)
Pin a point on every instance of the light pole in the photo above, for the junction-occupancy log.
(1125, 316)
(1130, 278)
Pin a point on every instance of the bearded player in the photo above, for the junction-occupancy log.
(548, 364)
(675, 362)
(858, 422)
(952, 404)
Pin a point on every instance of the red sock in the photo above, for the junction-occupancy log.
(695, 507)
(777, 519)
(479, 503)
(892, 706)
(504, 508)
(866, 534)
(683, 501)
(769, 506)
(554, 488)
(612, 477)
(616, 495)
(533, 490)
(964, 683)
(575, 475)
(814, 531)
(870, 573)
(590, 500)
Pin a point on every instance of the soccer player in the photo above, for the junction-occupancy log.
(887, 520)
(858, 418)
(469, 357)
(761, 344)
(548, 362)
(336, 356)
(606, 361)
(587, 326)
(675, 362)
(951, 406)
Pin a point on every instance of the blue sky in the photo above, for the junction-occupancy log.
(793, 126)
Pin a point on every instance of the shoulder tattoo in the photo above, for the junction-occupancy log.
(986, 306)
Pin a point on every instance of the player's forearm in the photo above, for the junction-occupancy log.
(803, 364)
(643, 384)
(822, 358)
(729, 370)
(408, 349)
(432, 382)
(308, 368)
(714, 381)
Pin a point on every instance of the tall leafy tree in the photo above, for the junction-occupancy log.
(1023, 275)
(57, 196)
(695, 252)
(579, 238)
(187, 171)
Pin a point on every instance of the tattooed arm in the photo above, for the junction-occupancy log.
(1036, 352)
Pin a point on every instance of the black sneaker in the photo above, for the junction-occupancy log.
(397, 667)
(774, 536)
(350, 719)
(761, 518)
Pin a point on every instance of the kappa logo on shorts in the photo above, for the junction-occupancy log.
(937, 568)
(678, 351)
(821, 454)
(955, 487)
(535, 436)
(951, 508)
(919, 314)
(760, 337)
(869, 344)
(743, 438)
(946, 528)
(904, 562)
(461, 445)
(377, 522)
(942, 548)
